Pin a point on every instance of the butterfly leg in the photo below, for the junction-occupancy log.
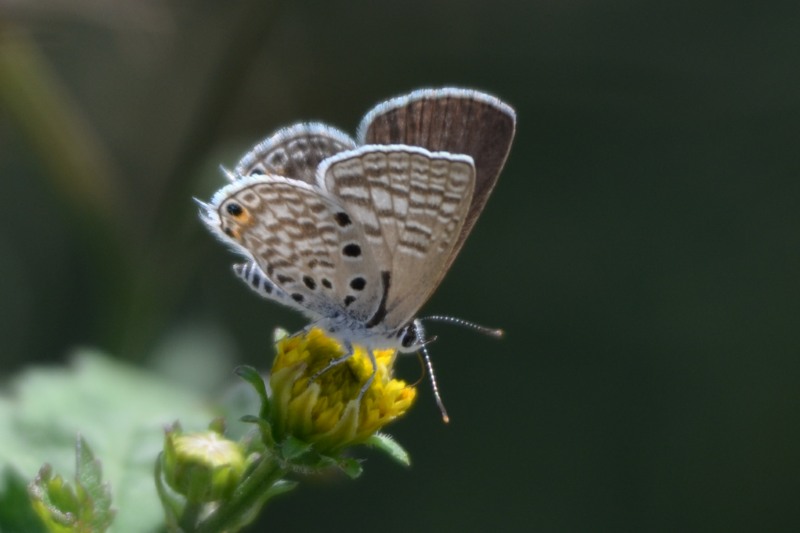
(371, 377)
(348, 353)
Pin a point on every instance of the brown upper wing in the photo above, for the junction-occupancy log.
(459, 121)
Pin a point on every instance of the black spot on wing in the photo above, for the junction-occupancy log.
(380, 313)
(342, 218)
(358, 283)
(351, 250)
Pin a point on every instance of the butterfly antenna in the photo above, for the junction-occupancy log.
(492, 332)
(427, 357)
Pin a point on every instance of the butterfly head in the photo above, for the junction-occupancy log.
(410, 338)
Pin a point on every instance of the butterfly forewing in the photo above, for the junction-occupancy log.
(411, 204)
(305, 243)
(295, 152)
(458, 121)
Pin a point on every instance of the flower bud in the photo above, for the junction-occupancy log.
(203, 466)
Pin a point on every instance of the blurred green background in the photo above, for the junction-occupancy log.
(642, 248)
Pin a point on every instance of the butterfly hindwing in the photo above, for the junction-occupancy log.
(303, 241)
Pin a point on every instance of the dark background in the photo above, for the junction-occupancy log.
(642, 248)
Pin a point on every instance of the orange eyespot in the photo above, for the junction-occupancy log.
(238, 212)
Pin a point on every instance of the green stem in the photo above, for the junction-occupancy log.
(255, 490)
(190, 515)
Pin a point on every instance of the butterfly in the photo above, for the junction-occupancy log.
(358, 233)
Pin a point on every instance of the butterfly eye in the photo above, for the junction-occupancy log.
(409, 337)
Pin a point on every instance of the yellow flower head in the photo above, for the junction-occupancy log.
(326, 411)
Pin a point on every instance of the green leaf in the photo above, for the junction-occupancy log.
(281, 486)
(89, 479)
(84, 508)
(292, 448)
(351, 467)
(121, 410)
(264, 429)
(251, 375)
(55, 502)
(388, 445)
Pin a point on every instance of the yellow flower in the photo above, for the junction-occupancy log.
(326, 411)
